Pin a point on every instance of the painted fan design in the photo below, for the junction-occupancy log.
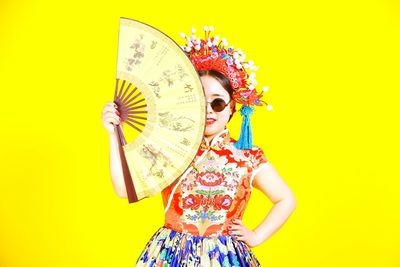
(162, 104)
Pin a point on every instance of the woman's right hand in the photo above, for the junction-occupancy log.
(110, 117)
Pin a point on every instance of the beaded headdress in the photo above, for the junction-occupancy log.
(211, 53)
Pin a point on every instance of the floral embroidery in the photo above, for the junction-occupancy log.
(192, 201)
(238, 154)
(223, 202)
(215, 190)
(210, 178)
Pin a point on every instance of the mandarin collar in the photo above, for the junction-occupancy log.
(218, 140)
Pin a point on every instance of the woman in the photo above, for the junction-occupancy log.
(203, 209)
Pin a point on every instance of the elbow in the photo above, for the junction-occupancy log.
(121, 192)
(121, 195)
(292, 201)
(119, 186)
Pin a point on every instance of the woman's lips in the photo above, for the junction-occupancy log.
(210, 121)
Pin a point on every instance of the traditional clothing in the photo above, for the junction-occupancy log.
(201, 204)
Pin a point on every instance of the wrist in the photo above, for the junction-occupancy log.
(257, 238)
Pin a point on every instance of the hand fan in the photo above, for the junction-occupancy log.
(162, 106)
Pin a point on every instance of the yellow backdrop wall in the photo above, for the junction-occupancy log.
(333, 73)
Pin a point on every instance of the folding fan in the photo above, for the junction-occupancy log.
(163, 108)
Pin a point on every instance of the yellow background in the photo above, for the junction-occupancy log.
(333, 72)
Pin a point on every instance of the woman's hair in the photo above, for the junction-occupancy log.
(223, 81)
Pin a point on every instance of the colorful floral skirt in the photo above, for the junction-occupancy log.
(170, 248)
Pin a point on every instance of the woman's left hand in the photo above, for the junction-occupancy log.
(241, 232)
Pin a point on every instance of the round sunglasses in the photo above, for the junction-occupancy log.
(218, 104)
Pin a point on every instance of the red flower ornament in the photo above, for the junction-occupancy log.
(210, 178)
(222, 202)
(192, 201)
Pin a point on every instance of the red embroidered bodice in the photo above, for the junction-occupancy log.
(214, 190)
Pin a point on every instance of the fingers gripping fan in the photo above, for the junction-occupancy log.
(162, 106)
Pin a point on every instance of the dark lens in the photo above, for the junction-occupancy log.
(218, 104)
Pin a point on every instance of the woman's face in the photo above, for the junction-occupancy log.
(216, 121)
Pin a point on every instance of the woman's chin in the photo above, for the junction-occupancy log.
(212, 129)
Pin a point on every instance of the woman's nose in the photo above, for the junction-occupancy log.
(209, 108)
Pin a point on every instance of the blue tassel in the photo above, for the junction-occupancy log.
(245, 140)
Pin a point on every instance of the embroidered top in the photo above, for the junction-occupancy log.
(214, 190)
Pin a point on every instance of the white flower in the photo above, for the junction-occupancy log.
(253, 74)
(251, 86)
(269, 107)
(253, 80)
(205, 28)
(246, 65)
(211, 28)
(237, 61)
(224, 41)
(182, 35)
(194, 37)
(193, 30)
(216, 38)
(265, 88)
(235, 55)
(243, 57)
(215, 42)
(197, 47)
(239, 66)
(188, 49)
(251, 63)
(209, 44)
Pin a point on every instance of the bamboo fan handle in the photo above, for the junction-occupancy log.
(130, 188)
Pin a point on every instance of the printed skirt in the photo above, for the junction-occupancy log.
(171, 248)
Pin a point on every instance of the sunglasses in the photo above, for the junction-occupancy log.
(218, 104)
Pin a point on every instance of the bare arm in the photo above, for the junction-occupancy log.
(109, 119)
(273, 186)
(117, 177)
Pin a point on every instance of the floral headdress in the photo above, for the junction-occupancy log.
(211, 53)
